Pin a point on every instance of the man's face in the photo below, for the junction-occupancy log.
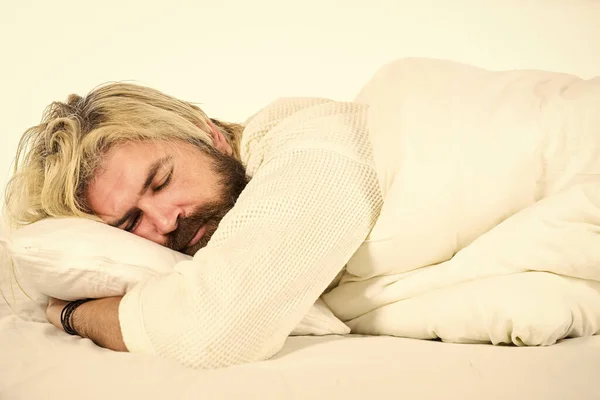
(171, 193)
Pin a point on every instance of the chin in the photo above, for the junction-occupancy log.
(192, 250)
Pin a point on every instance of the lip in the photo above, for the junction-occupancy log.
(197, 236)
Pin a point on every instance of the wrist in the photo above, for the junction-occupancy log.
(80, 317)
(98, 320)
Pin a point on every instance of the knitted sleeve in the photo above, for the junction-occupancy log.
(302, 216)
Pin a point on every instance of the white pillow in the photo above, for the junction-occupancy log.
(74, 258)
(16, 297)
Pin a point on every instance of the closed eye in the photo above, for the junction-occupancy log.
(132, 225)
(165, 183)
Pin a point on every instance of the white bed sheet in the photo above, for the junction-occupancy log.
(39, 362)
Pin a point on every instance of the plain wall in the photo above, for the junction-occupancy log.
(235, 56)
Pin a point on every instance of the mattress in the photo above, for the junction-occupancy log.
(40, 362)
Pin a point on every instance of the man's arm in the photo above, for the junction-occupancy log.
(97, 320)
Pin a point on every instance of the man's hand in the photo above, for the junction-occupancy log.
(97, 320)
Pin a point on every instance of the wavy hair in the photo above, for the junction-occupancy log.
(56, 159)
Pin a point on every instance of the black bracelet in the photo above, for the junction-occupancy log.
(65, 315)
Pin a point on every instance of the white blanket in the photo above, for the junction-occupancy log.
(490, 230)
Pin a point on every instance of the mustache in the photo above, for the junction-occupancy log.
(209, 215)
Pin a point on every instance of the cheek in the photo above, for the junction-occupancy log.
(184, 193)
(145, 229)
(198, 189)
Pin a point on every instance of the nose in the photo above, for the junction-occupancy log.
(163, 218)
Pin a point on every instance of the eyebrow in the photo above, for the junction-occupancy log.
(152, 171)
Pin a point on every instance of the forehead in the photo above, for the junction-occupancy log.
(121, 175)
(133, 151)
(130, 158)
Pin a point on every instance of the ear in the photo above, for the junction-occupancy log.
(219, 140)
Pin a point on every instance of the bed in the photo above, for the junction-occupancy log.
(39, 362)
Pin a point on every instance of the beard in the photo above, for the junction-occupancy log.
(233, 180)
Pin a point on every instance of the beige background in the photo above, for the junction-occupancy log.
(235, 56)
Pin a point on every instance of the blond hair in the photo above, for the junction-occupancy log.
(56, 159)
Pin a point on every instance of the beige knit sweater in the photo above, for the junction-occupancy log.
(312, 200)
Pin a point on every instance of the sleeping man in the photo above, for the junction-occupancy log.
(420, 185)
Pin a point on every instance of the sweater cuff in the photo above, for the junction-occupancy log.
(131, 320)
